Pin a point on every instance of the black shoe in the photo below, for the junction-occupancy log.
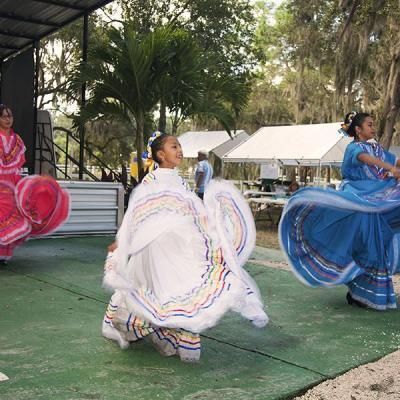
(3, 262)
(351, 301)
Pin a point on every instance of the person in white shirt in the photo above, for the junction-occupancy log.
(203, 174)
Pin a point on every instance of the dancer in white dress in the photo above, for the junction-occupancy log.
(178, 263)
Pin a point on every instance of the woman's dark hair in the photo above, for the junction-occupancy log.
(352, 121)
(157, 145)
(4, 107)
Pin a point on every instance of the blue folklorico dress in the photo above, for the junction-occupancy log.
(349, 236)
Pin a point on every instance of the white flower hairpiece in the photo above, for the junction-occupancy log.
(351, 117)
(147, 154)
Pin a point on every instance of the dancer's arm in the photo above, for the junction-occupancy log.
(113, 246)
(369, 160)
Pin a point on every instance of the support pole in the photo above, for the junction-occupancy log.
(1, 76)
(35, 106)
(83, 95)
(319, 174)
(222, 169)
(66, 155)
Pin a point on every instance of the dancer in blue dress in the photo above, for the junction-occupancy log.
(350, 236)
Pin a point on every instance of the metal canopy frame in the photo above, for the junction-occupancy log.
(24, 23)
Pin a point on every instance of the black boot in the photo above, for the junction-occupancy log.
(351, 301)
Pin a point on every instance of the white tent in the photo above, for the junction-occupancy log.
(219, 142)
(395, 150)
(318, 144)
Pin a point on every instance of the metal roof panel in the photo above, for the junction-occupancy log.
(23, 22)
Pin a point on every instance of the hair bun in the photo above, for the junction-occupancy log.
(353, 120)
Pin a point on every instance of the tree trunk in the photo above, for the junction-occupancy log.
(386, 105)
(175, 124)
(139, 144)
(303, 171)
(162, 122)
(334, 107)
(350, 95)
(291, 174)
(299, 107)
(393, 102)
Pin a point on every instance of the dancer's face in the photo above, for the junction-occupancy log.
(367, 129)
(171, 154)
(6, 119)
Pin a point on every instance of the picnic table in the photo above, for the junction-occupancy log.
(266, 205)
(251, 184)
(258, 193)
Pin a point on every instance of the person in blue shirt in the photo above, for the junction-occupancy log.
(350, 236)
(203, 173)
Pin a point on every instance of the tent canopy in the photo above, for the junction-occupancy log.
(218, 142)
(293, 145)
(395, 150)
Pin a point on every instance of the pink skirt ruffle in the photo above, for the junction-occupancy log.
(35, 206)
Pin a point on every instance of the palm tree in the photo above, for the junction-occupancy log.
(193, 87)
(124, 78)
(133, 73)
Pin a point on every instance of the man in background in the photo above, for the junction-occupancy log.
(203, 174)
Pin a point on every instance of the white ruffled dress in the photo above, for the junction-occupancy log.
(179, 263)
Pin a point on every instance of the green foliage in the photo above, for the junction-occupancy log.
(59, 53)
(125, 77)
(223, 29)
(322, 59)
(135, 71)
(298, 62)
(371, 37)
(222, 34)
(233, 63)
(189, 58)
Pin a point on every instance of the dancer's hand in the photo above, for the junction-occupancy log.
(395, 172)
(114, 246)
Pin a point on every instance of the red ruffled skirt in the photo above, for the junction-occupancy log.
(31, 206)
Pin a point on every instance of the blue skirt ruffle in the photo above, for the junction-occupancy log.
(347, 237)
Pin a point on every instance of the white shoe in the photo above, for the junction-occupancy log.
(109, 332)
(164, 347)
(260, 321)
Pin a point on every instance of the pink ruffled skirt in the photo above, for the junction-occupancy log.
(31, 206)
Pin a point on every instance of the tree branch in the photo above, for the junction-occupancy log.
(348, 21)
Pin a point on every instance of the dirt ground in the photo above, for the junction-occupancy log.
(379, 380)
(267, 235)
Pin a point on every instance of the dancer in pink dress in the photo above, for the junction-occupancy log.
(31, 206)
